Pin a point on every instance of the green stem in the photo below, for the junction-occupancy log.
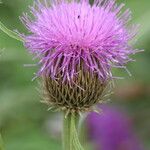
(70, 135)
(66, 132)
(10, 33)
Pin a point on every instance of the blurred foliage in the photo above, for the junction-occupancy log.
(1, 143)
(23, 117)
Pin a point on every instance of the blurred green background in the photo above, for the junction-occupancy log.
(24, 122)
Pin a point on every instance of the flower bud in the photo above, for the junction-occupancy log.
(81, 95)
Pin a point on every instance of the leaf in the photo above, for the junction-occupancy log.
(10, 33)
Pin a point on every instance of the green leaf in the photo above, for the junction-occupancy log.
(10, 33)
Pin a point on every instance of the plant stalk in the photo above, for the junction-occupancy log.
(70, 135)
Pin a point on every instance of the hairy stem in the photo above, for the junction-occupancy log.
(70, 135)
(66, 132)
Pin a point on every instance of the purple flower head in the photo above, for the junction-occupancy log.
(112, 130)
(67, 34)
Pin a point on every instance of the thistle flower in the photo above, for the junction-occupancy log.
(112, 130)
(78, 44)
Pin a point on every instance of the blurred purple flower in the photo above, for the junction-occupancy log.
(112, 130)
(66, 34)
